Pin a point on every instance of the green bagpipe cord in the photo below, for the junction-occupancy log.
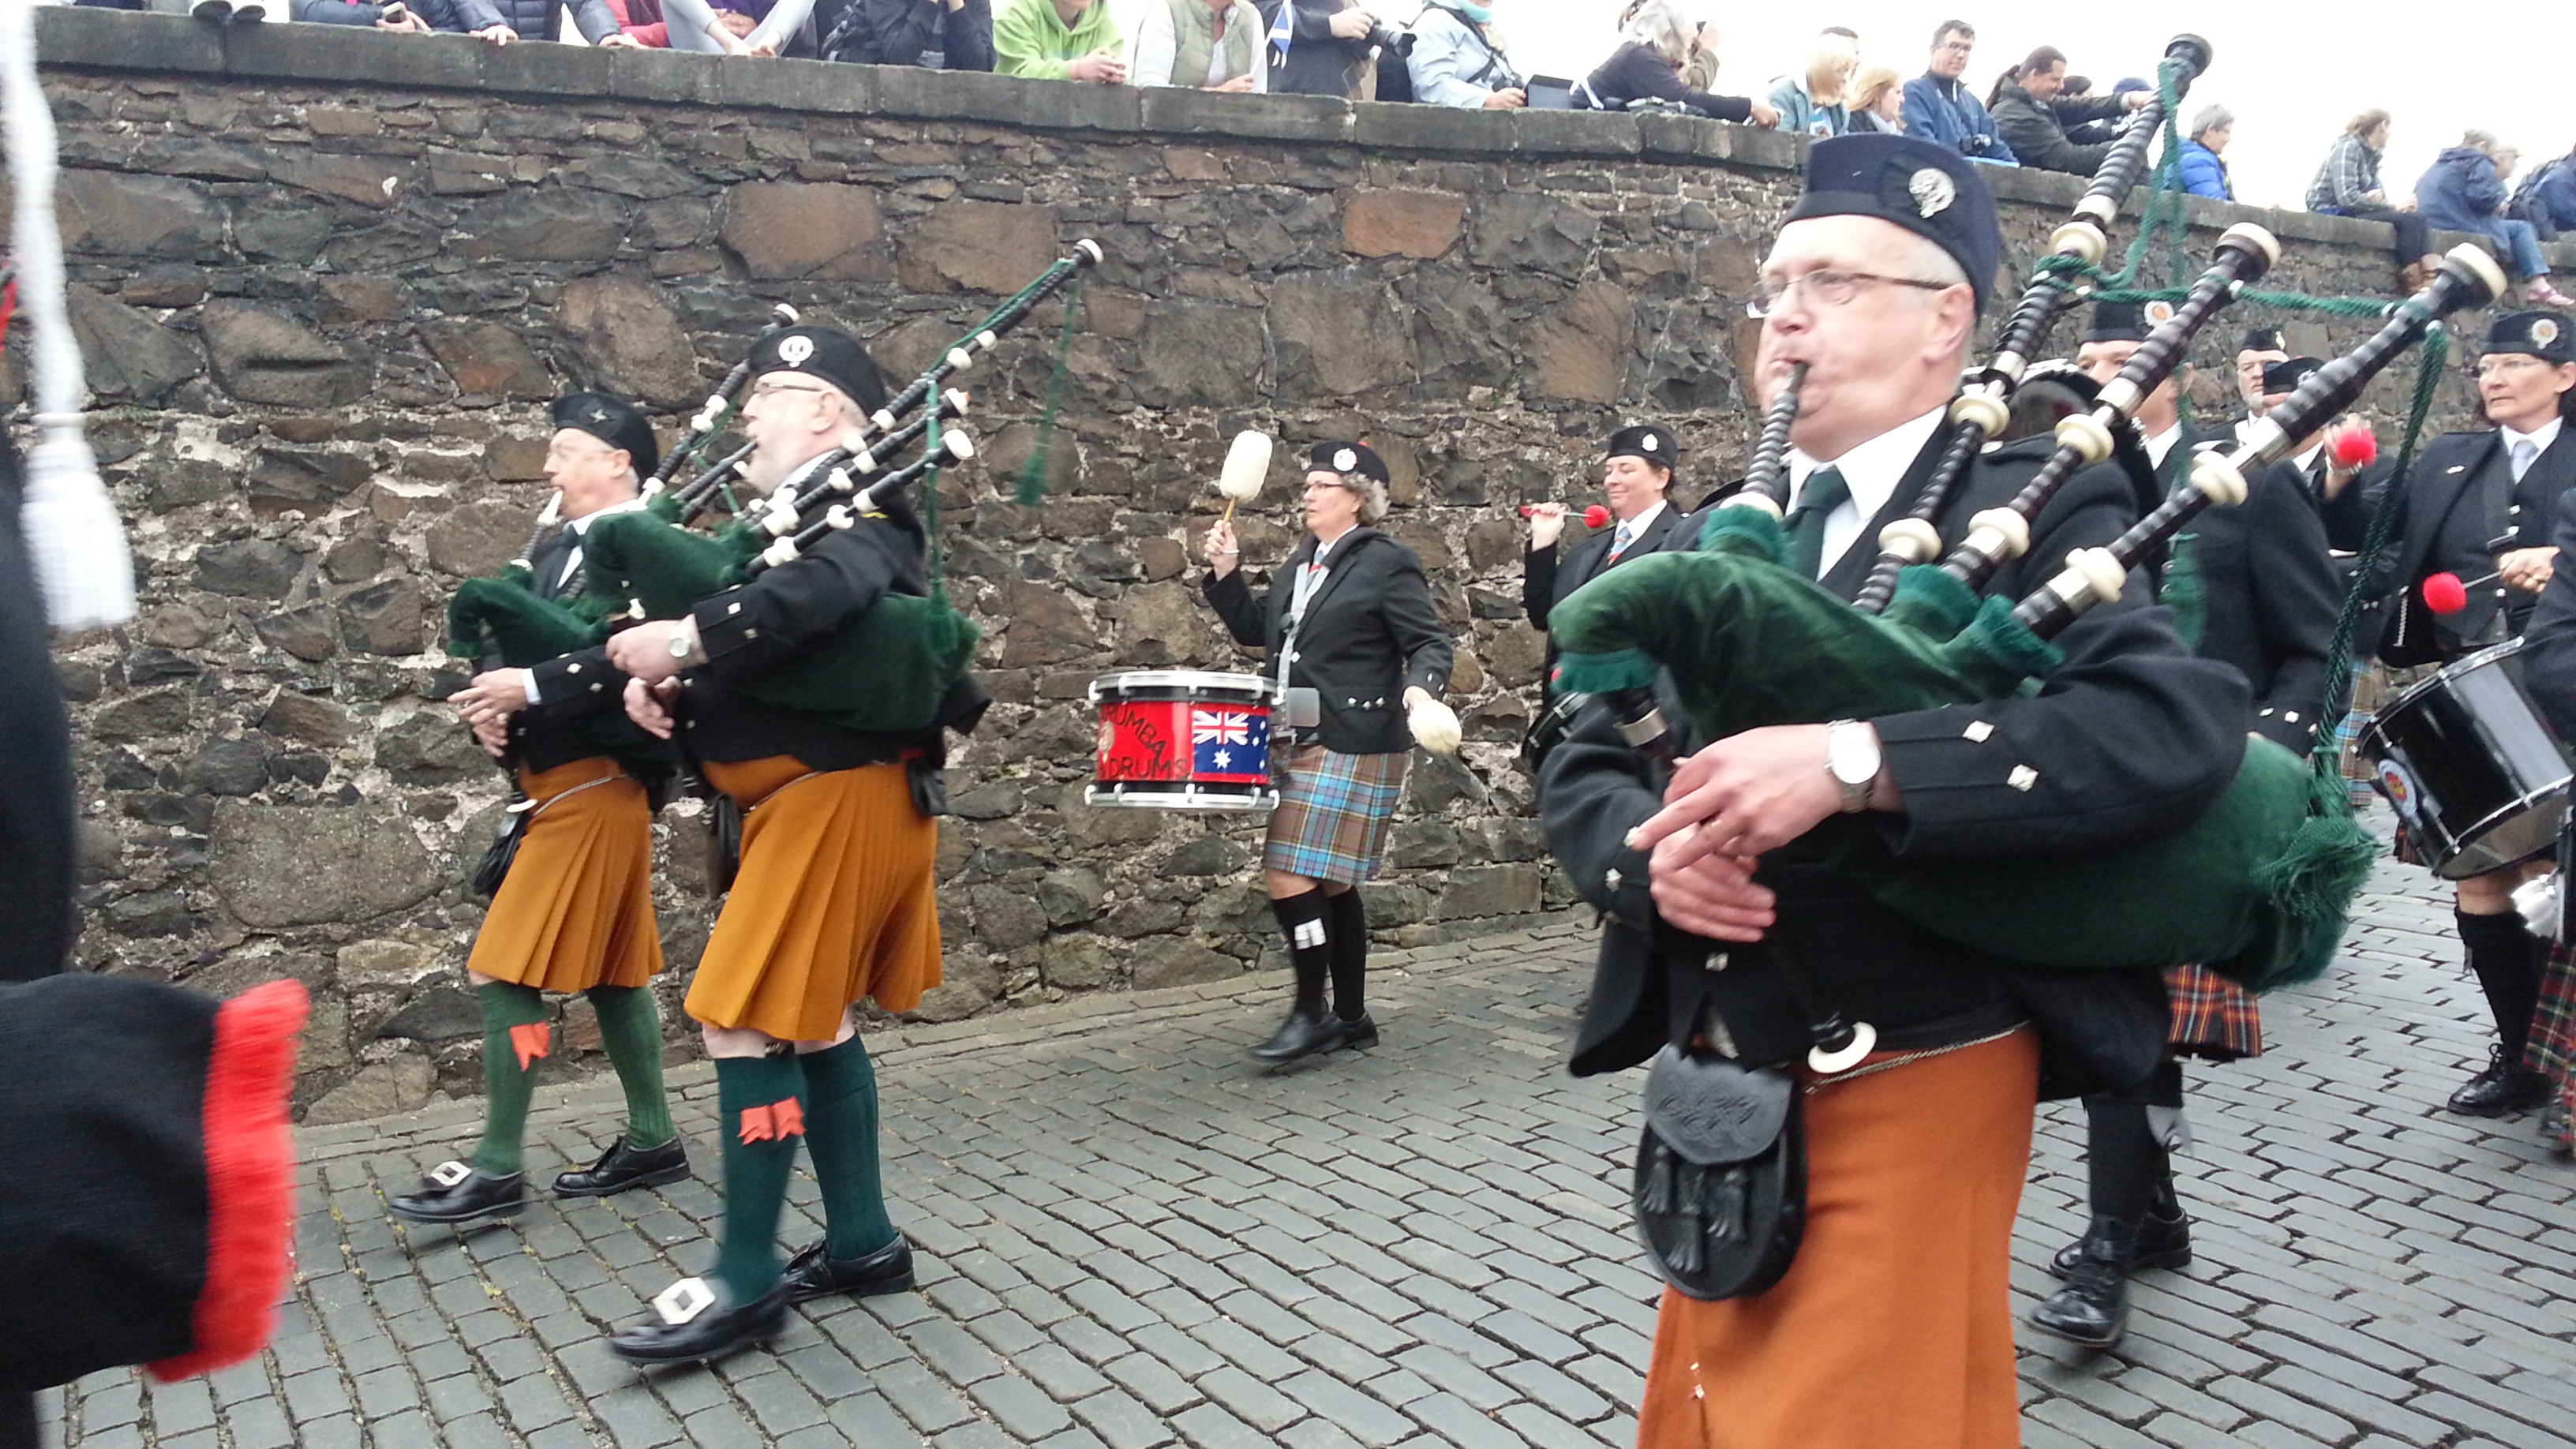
(2182, 590)
(2256, 888)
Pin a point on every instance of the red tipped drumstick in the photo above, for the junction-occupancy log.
(2352, 446)
(2445, 594)
(1595, 516)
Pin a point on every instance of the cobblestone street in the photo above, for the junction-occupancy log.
(1131, 1238)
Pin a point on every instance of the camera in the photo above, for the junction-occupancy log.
(1399, 41)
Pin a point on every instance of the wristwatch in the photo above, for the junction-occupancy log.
(682, 646)
(1851, 757)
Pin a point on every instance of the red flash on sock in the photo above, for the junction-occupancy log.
(776, 1122)
(530, 1042)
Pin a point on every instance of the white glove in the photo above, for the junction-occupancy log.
(2537, 901)
(1435, 726)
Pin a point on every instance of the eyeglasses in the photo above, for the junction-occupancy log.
(1961, 46)
(767, 386)
(558, 453)
(2499, 366)
(1826, 289)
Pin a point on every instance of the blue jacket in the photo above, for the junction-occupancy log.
(2203, 173)
(2550, 195)
(2461, 192)
(1950, 113)
(1799, 113)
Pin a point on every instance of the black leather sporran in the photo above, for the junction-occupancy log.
(1720, 1193)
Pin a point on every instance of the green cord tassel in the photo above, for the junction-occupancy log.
(2182, 591)
(1033, 477)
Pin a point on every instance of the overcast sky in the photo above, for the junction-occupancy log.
(2292, 73)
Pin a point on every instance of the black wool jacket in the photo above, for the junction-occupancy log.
(1369, 634)
(1549, 575)
(2270, 594)
(2131, 738)
(2460, 497)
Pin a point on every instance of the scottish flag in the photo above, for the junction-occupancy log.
(1283, 28)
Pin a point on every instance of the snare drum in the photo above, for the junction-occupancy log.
(1184, 739)
(2477, 777)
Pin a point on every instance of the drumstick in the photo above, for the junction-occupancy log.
(1246, 464)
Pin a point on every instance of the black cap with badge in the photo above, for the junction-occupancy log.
(825, 354)
(2285, 376)
(2264, 339)
(1920, 185)
(2544, 335)
(613, 422)
(1357, 458)
(1644, 440)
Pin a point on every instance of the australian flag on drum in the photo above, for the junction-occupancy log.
(1229, 746)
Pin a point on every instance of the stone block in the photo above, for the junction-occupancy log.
(308, 633)
(1173, 961)
(289, 865)
(1480, 891)
(1537, 231)
(380, 1089)
(477, 538)
(979, 246)
(137, 216)
(1072, 896)
(814, 86)
(429, 748)
(791, 229)
(631, 341)
(265, 356)
(1198, 354)
(970, 982)
(543, 224)
(370, 181)
(1325, 119)
(227, 767)
(678, 77)
(1583, 352)
(1163, 626)
(1386, 125)
(1208, 854)
(1044, 627)
(306, 478)
(130, 357)
(384, 618)
(1078, 963)
(1331, 334)
(252, 568)
(69, 36)
(1547, 135)
(486, 358)
(1422, 224)
(1006, 917)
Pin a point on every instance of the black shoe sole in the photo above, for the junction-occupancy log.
(2169, 1258)
(450, 1220)
(874, 1288)
(2119, 1331)
(751, 1338)
(658, 1177)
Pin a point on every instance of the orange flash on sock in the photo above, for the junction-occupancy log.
(529, 1041)
(776, 1122)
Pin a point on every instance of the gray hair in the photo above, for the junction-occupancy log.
(1663, 27)
(1372, 494)
(2212, 118)
(2482, 140)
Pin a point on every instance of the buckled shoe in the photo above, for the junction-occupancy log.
(696, 1318)
(813, 1273)
(622, 1167)
(455, 1192)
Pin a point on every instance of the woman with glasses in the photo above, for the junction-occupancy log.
(1348, 622)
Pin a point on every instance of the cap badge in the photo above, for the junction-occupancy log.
(597, 414)
(795, 350)
(2159, 313)
(1345, 460)
(1649, 442)
(2544, 330)
(1932, 190)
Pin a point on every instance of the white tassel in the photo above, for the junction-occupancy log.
(1435, 727)
(74, 539)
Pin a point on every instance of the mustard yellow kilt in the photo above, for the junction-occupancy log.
(834, 901)
(576, 909)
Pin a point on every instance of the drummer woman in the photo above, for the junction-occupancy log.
(1348, 620)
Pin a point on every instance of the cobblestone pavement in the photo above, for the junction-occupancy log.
(1132, 1239)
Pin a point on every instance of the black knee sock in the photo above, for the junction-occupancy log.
(1347, 922)
(2121, 1158)
(2505, 958)
(1301, 917)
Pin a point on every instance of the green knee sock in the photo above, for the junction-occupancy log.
(760, 1111)
(841, 1132)
(632, 1031)
(514, 1038)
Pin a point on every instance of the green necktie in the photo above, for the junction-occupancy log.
(1823, 492)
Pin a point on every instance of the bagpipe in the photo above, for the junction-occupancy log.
(2257, 887)
(890, 672)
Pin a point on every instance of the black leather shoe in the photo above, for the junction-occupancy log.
(1301, 1035)
(456, 1193)
(622, 1167)
(2501, 1089)
(2162, 1242)
(1359, 1031)
(814, 1274)
(696, 1318)
(2093, 1308)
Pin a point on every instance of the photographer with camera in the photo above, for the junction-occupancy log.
(932, 34)
(1214, 45)
(1939, 107)
(1658, 42)
(1324, 47)
(1457, 62)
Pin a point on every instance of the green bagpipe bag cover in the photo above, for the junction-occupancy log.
(888, 675)
(147, 1175)
(2256, 888)
(503, 616)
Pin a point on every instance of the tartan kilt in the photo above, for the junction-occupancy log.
(1333, 814)
(2553, 1026)
(2213, 1017)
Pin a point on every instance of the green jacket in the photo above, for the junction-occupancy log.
(1029, 40)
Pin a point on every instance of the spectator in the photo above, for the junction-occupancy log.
(1319, 47)
(933, 34)
(735, 27)
(1659, 41)
(2547, 198)
(2204, 168)
(1939, 108)
(1214, 45)
(639, 25)
(1878, 101)
(2464, 192)
(411, 17)
(1058, 40)
(1812, 104)
(2027, 112)
(2348, 185)
(1456, 61)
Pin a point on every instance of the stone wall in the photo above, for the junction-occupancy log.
(325, 280)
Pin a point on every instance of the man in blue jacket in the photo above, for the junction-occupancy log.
(2464, 192)
(1939, 107)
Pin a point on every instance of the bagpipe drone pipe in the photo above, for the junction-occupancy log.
(890, 673)
(2258, 887)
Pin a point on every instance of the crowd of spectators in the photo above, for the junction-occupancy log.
(1452, 53)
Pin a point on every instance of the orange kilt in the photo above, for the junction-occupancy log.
(576, 909)
(834, 901)
(1893, 1325)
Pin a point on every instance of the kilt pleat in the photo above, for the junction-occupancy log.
(1333, 814)
(2213, 1017)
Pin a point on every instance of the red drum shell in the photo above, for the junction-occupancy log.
(1183, 739)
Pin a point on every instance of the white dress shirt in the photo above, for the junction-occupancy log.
(1871, 471)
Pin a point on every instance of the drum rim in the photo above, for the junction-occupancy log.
(2461, 665)
(1263, 687)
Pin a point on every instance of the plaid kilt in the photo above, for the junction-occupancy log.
(1333, 813)
(2213, 1017)
(2553, 1026)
